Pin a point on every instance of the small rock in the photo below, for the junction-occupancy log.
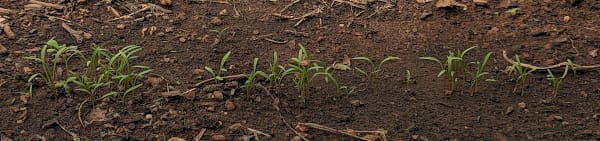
(357, 103)
(182, 39)
(301, 128)
(165, 2)
(216, 21)
(236, 127)
(212, 87)
(449, 4)
(564, 123)
(19, 121)
(425, 15)
(223, 12)
(120, 26)
(175, 138)
(3, 49)
(566, 19)
(218, 138)
(149, 117)
(538, 33)
(229, 105)
(509, 110)
(480, 2)
(522, 105)
(371, 137)
(169, 29)
(210, 109)
(557, 118)
(217, 95)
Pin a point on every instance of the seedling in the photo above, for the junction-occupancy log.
(302, 67)
(87, 86)
(522, 74)
(374, 70)
(220, 34)
(276, 70)
(58, 53)
(93, 65)
(123, 73)
(328, 75)
(347, 91)
(479, 73)
(454, 66)
(218, 76)
(512, 11)
(409, 79)
(251, 81)
(556, 80)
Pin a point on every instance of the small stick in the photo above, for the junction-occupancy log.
(282, 16)
(258, 132)
(351, 4)
(277, 42)
(113, 11)
(226, 77)
(575, 66)
(380, 132)
(51, 5)
(288, 6)
(58, 18)
(148, 7)
(200, 134)
(79, 113)
(329, 129)
(279, 111)
(77, 34)
(310, 14)
(6, 11)
(212, 1)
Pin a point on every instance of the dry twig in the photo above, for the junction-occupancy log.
(79, 113)
(211, 1)
(332, 130)
(45, 4)
(238, 76)
(149, 6)
(351, 4)
(6, 11)
(575, 66)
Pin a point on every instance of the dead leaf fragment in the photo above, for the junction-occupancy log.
(449, 4)
(593, 53)
(97, 114)
(8, 31)
(3, 49)
(359, 1)
(509, 110)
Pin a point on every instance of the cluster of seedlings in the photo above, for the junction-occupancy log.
(111, 74)
(458, 71)
(303, 69)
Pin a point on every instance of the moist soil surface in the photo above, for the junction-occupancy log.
(180, 39)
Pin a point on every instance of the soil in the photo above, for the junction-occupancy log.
(177, 46)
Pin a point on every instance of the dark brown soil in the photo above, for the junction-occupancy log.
(182, 42)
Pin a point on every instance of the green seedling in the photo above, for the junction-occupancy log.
(94, 64)
(512, 11)
(123, 73)
(521, 72)
(409, 79)
(251, 81)
(220, 34)
(571, 65)
(57, 54)
(347, 91)
(303, 68)
(87, 86)
(276, 70)
(454, 67)
(218, 76)
(329, 78)
(374, 70)
(556, 80)
(479, 73)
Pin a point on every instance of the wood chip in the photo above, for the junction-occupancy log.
(51, 5)
(8, 31)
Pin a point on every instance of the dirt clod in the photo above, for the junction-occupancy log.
(153, 81)
(216, 21)
(357, 103)
(229, 105)
(218, 137)
(217, 95)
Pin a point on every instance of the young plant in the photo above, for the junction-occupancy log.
(556, 80)
(302, 67)
(328, 75)
(220, 34)
(409, 79)
(521, 72)
(479, 73)
(123, 73)
(374, 70)
(251, 81)
(454, 67)
(98, 55)
(218, 76)
(347, 91)
(87, 86)
(276, 71)
(57, 54)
